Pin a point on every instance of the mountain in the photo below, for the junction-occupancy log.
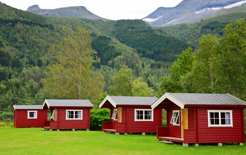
(77, 11)
(188, 11)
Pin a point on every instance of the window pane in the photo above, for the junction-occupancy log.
(222, 121)
(140, 114)
(216, 115)
(211, 115)
(31, 114)
(177, 122)
(216, 122)
(77, 114)
(227, 121)
(71, 114)
(222, 115)
(212, 121)
(148, 114)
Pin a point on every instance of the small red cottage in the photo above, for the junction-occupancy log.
(202, 118)
(29, 116)
(68, 114)
(131, 114)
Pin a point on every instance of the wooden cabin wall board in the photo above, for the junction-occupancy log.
(219, 134)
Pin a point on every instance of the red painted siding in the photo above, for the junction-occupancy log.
(174, 131)
(191, 118)
(142, 126)
(21, 120)
(190, 136)
(220, 134)
(62, 123)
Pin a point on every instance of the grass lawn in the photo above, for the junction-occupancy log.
(35, 141)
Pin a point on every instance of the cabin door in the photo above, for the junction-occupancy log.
(184, 120)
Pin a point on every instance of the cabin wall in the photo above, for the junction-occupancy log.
(62, 123)
(132, 126)
(174, 130)
(21, 120)
(220, 134)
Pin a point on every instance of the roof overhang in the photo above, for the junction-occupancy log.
(171, 98)
(107, 98)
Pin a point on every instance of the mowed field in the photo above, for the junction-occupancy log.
(36, 141)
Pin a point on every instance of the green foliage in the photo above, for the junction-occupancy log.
(150, 43)
(72, 76)
(180, 67)
(122, 83)
(141, 88)
(98, 116)
(105, 51)
(218, 65)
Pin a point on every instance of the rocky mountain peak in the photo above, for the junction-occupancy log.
(33, 7)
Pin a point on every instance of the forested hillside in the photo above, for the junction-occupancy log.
(25, 53)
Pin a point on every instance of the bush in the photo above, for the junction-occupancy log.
(97, 117)
(164, 123)
(11, 124)
(3, 124)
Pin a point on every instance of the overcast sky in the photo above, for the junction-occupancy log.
(109, 9)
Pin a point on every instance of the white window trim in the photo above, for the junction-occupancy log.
(32, 117)
(171, 121)
(115, 114)
(74, 115)
(135, 114)
(219, 111)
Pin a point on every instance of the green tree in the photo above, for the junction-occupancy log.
(180, 67)
(72, 76)
(201, 79)
(230, 59)
(141, 88)
(122, 83)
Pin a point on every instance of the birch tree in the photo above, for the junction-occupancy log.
(72, 76)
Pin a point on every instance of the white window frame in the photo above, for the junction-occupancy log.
(220, 125)
(35, 116)
(135, 115)
(175, 123)
(74, 115)
(53, 115)
(115, 115)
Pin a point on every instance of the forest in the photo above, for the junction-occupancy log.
(149, 61)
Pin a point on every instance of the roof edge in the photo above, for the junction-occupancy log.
(107, 98)
(171, 98)
(45, 102)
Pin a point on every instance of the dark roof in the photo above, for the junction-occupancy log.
(67, 103)
(182, 99)
(128, 100)
(27, 107)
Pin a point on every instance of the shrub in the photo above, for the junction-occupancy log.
(97, 117)
(164, 123)
(11, 124)
(3, 124)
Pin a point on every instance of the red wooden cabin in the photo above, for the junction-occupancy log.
(68, 114)
(29, 116)
(202, 118)
(131, 114)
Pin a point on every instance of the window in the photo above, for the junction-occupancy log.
(74, 114)
(114, 116)
(53, 115)
(32, 114)
(219, 118)
(143, 115)
(175, 118)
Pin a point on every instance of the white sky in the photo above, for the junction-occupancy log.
(109, 9)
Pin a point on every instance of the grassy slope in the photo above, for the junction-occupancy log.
(36, 141)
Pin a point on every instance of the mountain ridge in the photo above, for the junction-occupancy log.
(72, 11)
(188, 11)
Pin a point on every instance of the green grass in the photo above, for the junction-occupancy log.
(35, 141)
